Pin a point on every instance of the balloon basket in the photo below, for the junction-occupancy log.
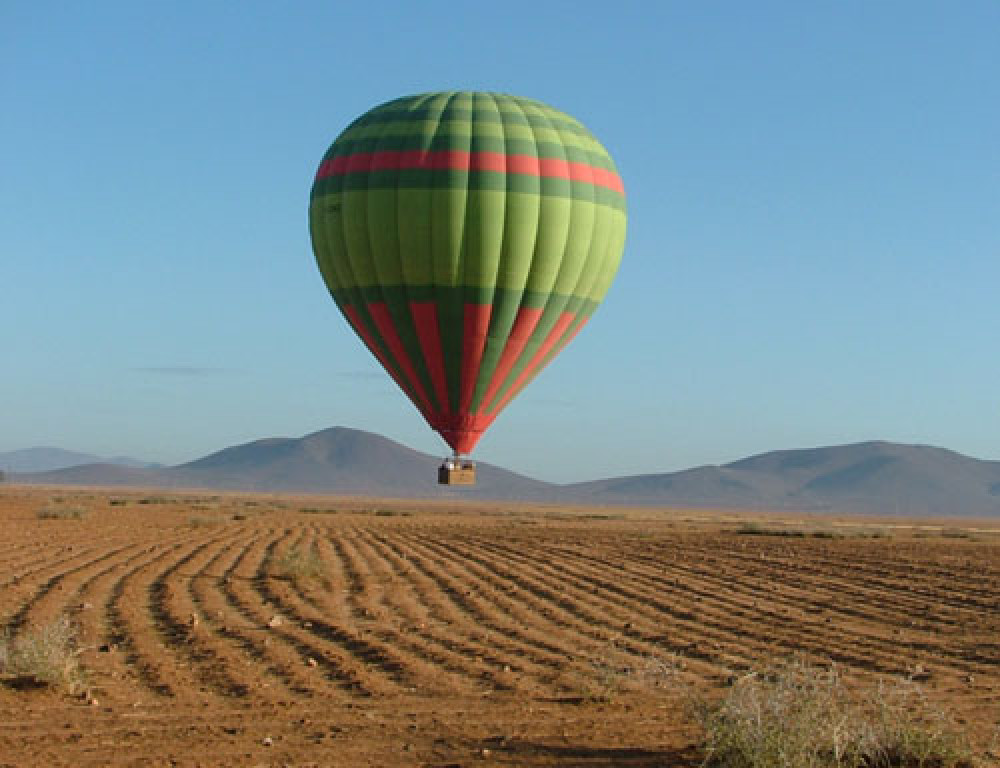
(457, 472)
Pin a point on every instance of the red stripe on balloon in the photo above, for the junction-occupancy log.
(475, 327)
(536, 362)
(387, 329)
(366, 336)
(425, 320)
(461, 160)
(524, 325)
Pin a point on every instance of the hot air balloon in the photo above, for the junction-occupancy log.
(466, 237)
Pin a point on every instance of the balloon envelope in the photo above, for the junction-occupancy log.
(466, 237)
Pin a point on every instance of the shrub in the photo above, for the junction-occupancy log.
(60, 513)
(800, 716)
(301, 565)
(45, 656)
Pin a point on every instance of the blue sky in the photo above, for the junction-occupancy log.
(813, 254)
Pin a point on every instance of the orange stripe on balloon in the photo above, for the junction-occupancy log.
(366, 336)
(537, 361)
(425, 320)
(524, 325)
(383, 322)
(461, 160)
(475, 327)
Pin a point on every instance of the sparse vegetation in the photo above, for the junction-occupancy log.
(61, 513)
(391, 513)
(44, 656)
(756, 529)
(153, 500)
(301, 565)
(955, 533)
(204, 522)
(796, 715)
(318, 510)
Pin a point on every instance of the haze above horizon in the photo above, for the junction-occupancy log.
(812, 257)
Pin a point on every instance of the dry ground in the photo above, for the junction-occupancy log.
(221, 629)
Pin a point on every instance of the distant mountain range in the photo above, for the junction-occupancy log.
(874, 478)
(45, 458)
(337, 460)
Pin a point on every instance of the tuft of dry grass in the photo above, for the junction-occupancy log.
(301, 565)
(46, 656)
(796, 715)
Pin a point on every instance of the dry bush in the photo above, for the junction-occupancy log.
(45, 656)
(60, 513)
(795, 715)
(300, 566)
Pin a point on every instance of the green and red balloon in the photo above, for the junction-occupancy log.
(466, 237)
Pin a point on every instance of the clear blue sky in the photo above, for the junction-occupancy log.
(813, 253)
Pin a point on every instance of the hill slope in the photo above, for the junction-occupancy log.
(866, 478)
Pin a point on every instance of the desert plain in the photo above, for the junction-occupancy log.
(232, 629)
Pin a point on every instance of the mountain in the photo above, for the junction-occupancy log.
(874, 478)
(336, 460)
(45, 458)
(864, 478)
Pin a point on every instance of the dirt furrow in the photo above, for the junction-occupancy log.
(459, 629)
(245, 621)
(406, 623)
(339, 669)
(382, 671)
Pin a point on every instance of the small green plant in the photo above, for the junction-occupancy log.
(301, 565)
(796, 715)
(44, 656)
(61, 513)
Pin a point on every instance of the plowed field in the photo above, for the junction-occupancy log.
(236, 630)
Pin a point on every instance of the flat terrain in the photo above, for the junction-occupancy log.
(221, 629)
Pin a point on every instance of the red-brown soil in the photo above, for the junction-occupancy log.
(461, 635)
